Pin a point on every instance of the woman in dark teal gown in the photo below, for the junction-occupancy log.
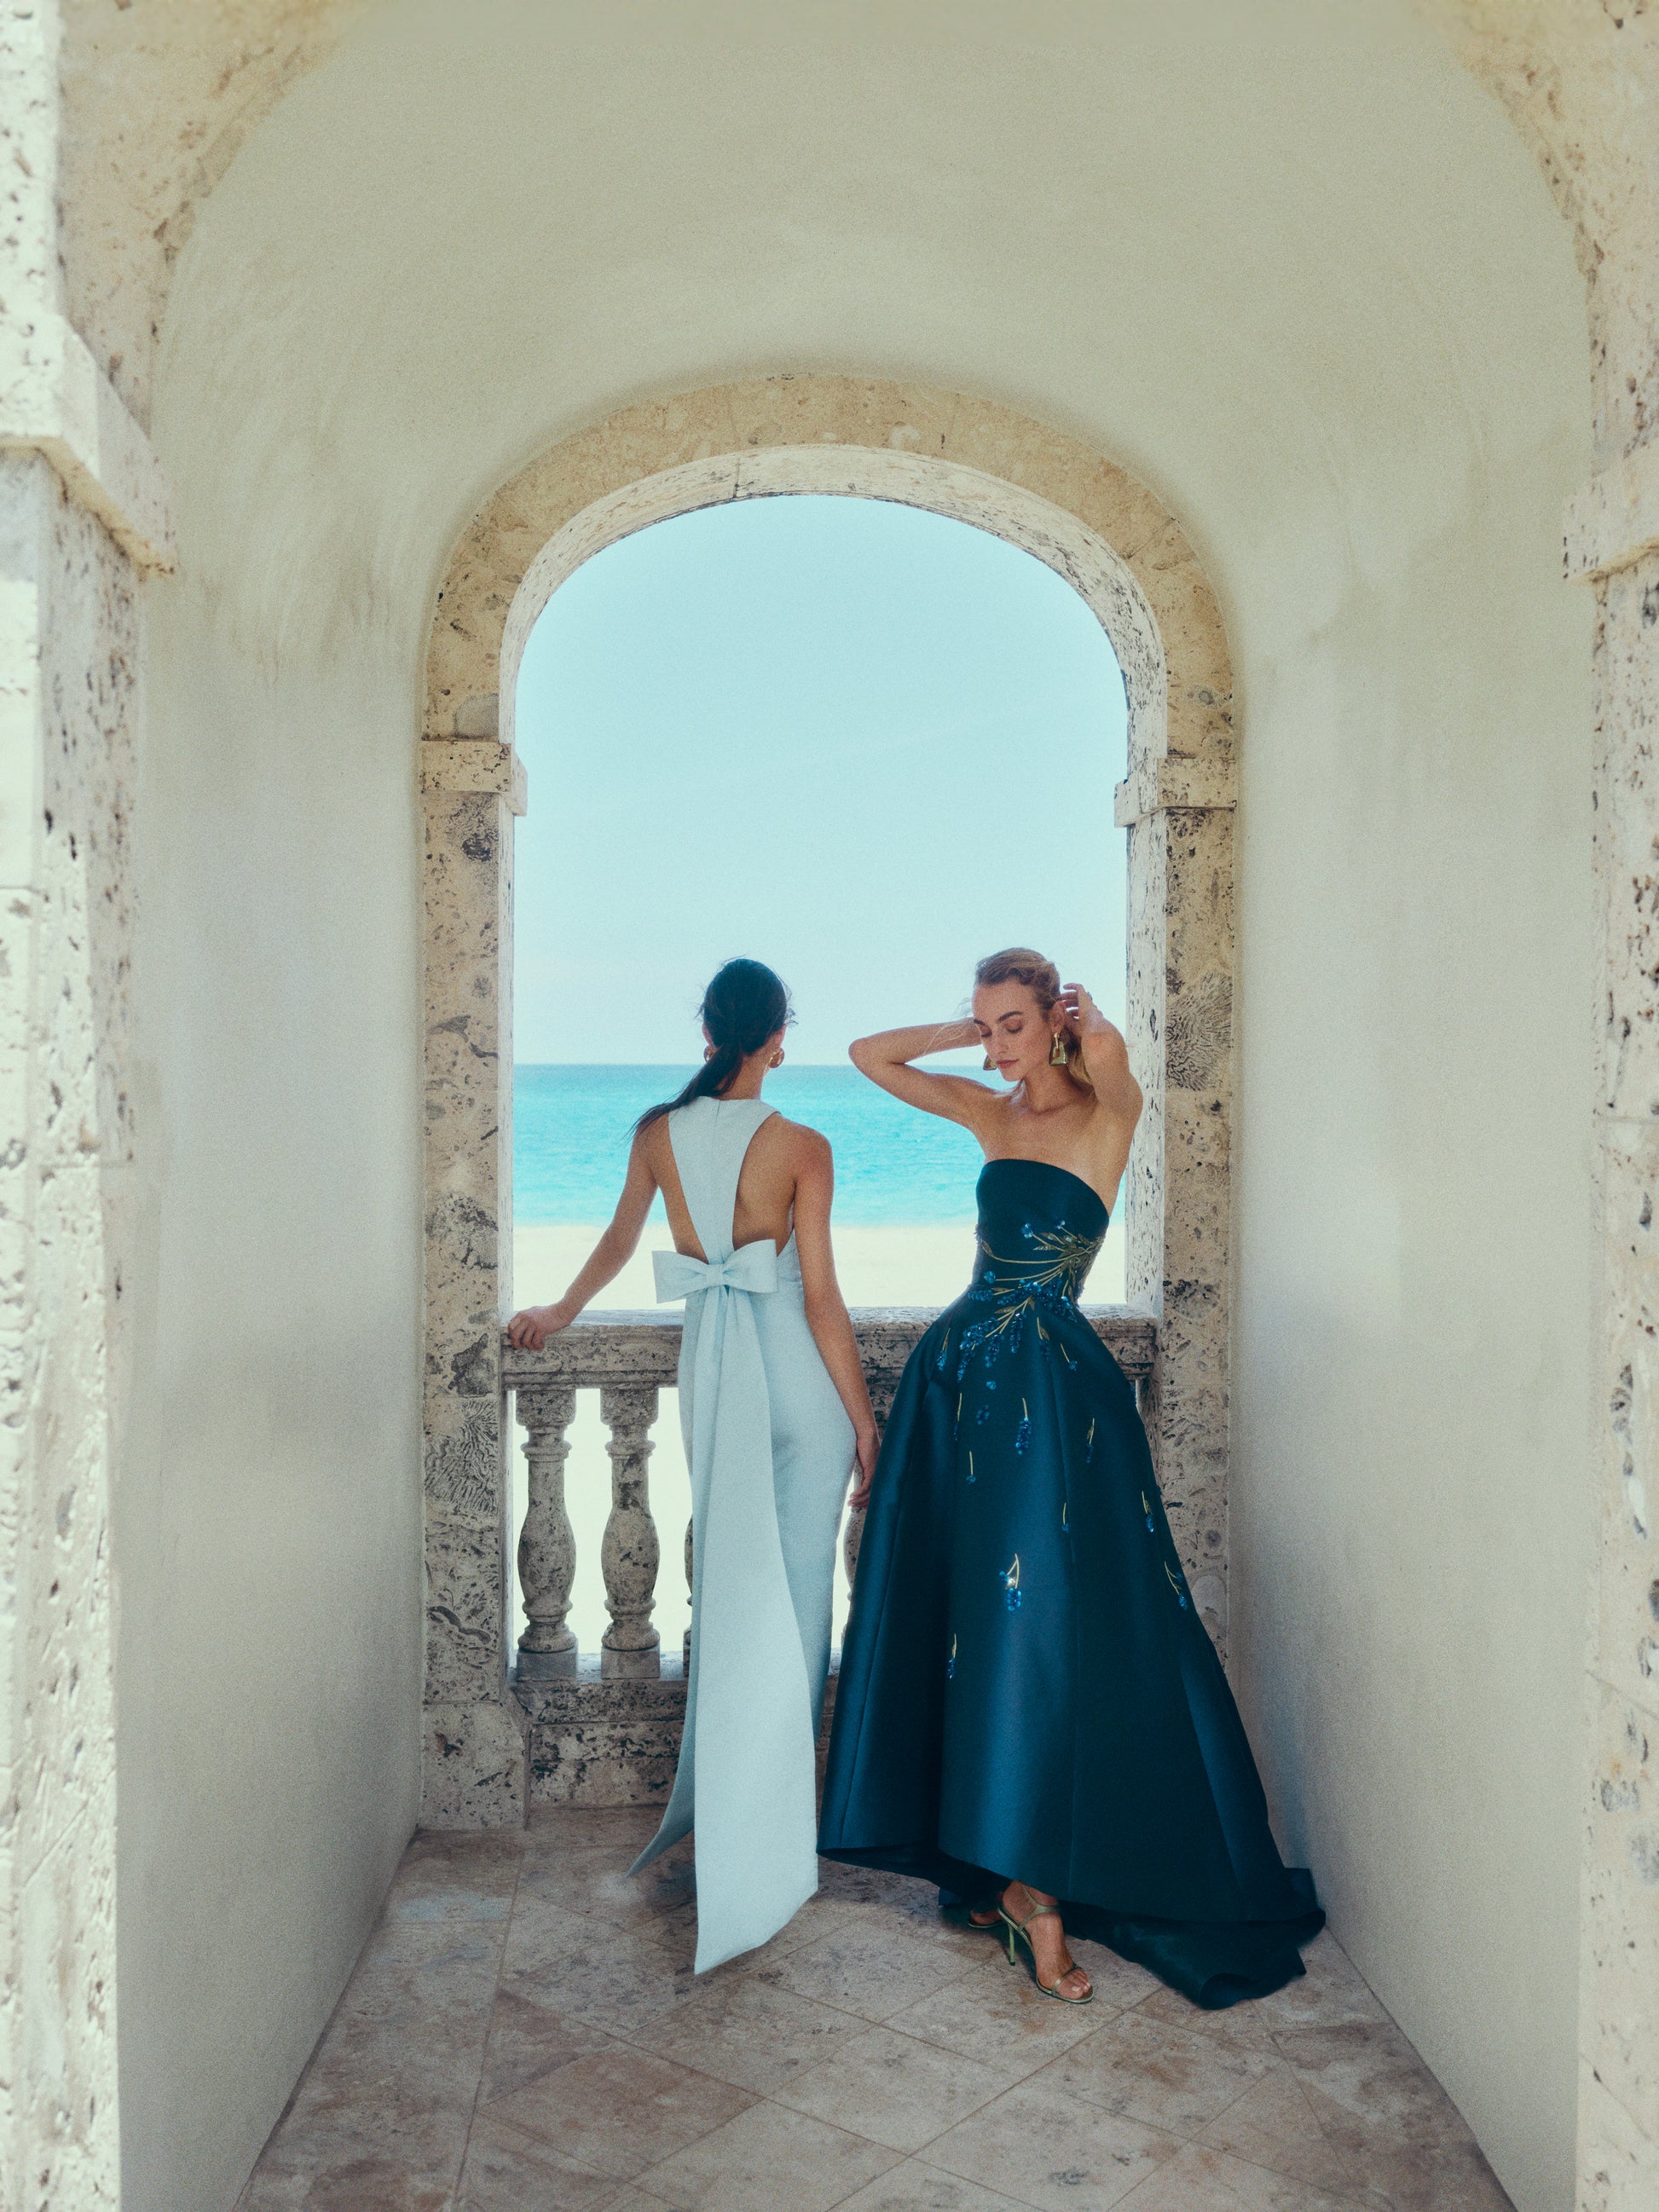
(1027, 1694)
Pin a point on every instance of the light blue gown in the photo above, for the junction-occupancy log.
(770, 1447)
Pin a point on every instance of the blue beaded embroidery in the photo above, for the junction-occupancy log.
(1063, 1258)
(1009, 1577)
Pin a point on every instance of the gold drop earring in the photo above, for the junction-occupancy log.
(1058, 1056)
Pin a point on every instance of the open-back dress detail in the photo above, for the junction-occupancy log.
(770, 1447)
(1026, 1689)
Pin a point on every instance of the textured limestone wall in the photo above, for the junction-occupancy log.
(476, 1757)
(68, 623)
(1581, 81)
(1126, 556)
(74, 470)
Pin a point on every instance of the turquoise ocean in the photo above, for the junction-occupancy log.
(894, 1167)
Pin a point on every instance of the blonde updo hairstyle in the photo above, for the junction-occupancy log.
(1018, 964)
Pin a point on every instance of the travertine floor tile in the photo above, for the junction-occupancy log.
(619, 2110)
(1379, 2105)
(893, 2090)
(382, 2157)
(1242, 2026)
(466, 1876)
(873, 2056)
(744, 2031)
(914, 2187)
(768, 2159)
(1330, 1994)
(997, 2017)
(916, 1912)
(1273, 2125)
(416, 1973)
(603, 1976)
(1151, 2071)
(869, 1969)
(507, 2171)
(894, 1899)
(621, 1828)
(407, 2039)
(1044, 2148)
(858, 1885)
(528, 2043)
(367, 2181)
(595, 1885)
(1199, 2180)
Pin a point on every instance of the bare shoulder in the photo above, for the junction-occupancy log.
(807, 1149)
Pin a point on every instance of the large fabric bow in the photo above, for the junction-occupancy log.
(752, 1268)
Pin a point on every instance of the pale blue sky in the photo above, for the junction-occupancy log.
(853, 739)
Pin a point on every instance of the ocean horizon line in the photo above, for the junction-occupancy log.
(573, 1123)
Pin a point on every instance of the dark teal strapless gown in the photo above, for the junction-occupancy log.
(1026, 1689)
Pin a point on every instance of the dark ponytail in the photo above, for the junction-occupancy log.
(744, 1005)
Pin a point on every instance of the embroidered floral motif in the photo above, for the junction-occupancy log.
(1009, 1577)
(1023, 1433)
(972, 1477)
(1181, 1594)
(1147, 1510)
(950, 1664)
(1062, 1259)
(1089, 1446)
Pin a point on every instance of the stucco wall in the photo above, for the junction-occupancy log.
(1410, 1516)
(267, 1533)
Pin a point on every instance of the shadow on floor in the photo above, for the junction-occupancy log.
(524, 2033)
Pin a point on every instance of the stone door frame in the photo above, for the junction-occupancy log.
(1126, 557)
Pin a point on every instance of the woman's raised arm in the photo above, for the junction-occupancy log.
(531, 1328)
(1105, 1055)
(886, 1059)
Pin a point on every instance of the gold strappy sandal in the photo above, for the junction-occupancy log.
(1018, 1928)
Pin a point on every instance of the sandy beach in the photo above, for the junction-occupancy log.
(877, 1266)
(926, 1266)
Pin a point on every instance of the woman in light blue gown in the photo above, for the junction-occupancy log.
(776, 1415)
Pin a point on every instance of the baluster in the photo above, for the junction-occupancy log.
(685, 1647)
(882, 1387)
(629, 1554)
(547, 1549)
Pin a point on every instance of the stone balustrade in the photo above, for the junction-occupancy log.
(629, 1357)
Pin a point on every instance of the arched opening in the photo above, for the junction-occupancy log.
(863, 741)
(507, 1719)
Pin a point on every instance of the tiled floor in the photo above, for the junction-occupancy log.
(524, 2033)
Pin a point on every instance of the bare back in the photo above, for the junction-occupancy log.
(765, 1206)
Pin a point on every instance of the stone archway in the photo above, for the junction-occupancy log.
(1121, 550)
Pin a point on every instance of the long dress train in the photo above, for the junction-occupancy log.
(770, 1447)
(1026, 1690)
